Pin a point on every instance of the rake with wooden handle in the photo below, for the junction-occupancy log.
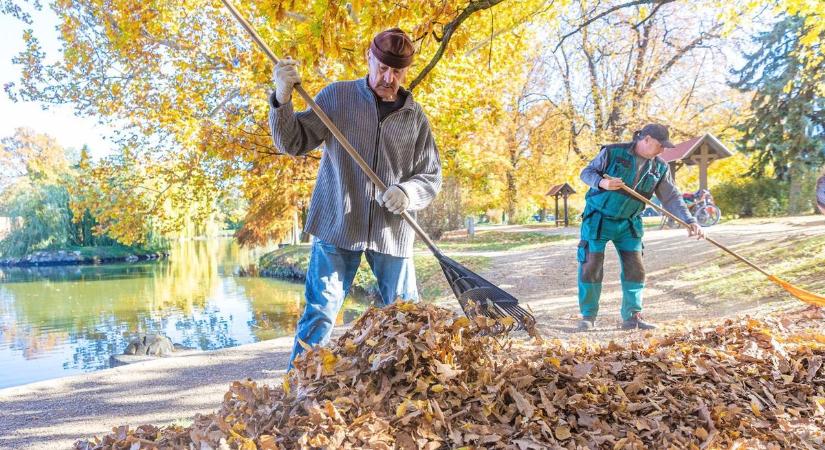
(801, 294)
(475, 294)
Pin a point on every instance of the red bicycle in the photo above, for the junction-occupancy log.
(701, 206)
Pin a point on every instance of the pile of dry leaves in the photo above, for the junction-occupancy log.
(417, 376)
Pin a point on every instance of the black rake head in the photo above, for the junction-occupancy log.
(478, 296)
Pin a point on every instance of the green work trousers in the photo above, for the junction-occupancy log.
(626, 235)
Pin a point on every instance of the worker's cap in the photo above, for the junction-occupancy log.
(658, 132)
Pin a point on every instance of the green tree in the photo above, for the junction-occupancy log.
(39, 192)
(42, 219)
(33, 193)
(785, 131)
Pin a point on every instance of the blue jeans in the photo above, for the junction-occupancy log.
(329, 278)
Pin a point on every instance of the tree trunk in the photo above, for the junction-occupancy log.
(304, 212)
(512, 193)
(802, 179)
(820, 192)
(595, 91)
(571, 109)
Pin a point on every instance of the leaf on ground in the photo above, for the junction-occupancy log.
(417, 376)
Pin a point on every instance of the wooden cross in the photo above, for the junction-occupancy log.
(703, 158)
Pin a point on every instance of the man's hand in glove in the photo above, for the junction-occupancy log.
(286, 77)
(394, 199)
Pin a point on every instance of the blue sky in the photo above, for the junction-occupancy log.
(58, 121)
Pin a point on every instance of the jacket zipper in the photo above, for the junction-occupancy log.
(375, 163)
(372, 191)
(633, 178)
(636, 171)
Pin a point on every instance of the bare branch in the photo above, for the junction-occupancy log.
(618, 98)
(609, 11)
(512, 27)
(678, 55)
(652, 13)
(595, 90)
(571, 112)
(695, 80)
(232, 94)
(449, 29)
(490, 50)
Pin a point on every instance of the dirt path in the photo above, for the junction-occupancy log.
(545, 278)
(53, 414)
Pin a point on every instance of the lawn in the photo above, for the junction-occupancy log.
(292, 262)
(499, 240)
(798, 260)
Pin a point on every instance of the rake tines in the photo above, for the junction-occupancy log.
(478, 296)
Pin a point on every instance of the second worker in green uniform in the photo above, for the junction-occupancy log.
(612, 215)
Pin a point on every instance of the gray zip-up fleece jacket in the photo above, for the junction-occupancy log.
(400, 149)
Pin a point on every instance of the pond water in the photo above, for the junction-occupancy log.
(58, 321)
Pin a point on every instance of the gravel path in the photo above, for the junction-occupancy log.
(53, 414)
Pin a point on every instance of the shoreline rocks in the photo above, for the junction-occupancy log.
(68, 258)
(146, 347)
(291, 264)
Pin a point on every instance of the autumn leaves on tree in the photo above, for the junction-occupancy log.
(520, 95)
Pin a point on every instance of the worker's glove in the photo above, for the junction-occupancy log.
(694, 230)
(286, 77)
(394, 199)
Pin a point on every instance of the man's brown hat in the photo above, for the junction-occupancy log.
(393, 47)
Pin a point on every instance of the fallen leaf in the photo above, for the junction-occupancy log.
(562, 432)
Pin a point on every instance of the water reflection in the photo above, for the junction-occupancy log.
(57, 321)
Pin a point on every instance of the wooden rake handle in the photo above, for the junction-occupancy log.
(681, 222)
(331, 126)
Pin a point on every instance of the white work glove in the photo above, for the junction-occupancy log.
(394, 199)
(609, 183)
(286, 77)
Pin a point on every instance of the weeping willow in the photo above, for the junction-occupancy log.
(40, 219)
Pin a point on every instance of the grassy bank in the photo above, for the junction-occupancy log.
(72, 255)
(799, 260)
(292, 262)
(115, 251)
(495, 240)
